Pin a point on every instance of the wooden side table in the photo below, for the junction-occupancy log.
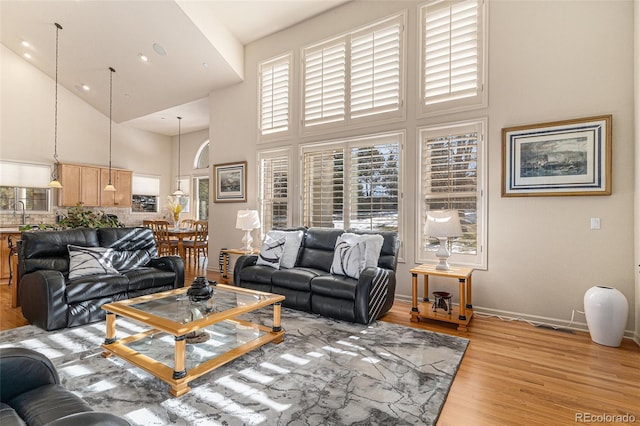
(225, 262)
(461, 314)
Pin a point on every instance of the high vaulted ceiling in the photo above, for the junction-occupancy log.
(193, 47)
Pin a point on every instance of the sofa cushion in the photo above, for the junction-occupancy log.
(49, 249)
(271, 251)
(46, 404)
(142, 278)
(132, 247)
(319, 244)
(95, 286)
(337, 286)
(85, 261)
(295, 278)
(257, 274)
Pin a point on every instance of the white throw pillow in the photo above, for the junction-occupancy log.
(291, 246)
(348, 257)
(372, 246)
(89, 261)
(271, 252)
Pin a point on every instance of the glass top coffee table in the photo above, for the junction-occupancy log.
(218, 334)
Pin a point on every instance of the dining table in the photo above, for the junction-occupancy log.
(181, 234)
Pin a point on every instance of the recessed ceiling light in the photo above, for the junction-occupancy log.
(85, 87)
(25, 43)
(159, 49)
(205, 65)
(27, 55)
(143, 58)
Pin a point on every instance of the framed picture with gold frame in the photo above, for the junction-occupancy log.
(570, 157)
(230, 182)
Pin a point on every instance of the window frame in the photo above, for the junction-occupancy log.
(275, 61)
(267, 155)
(348, 121)
(478, 260)
(480, 99)
(345, 144)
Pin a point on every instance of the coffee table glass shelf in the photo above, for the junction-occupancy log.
(170, 320)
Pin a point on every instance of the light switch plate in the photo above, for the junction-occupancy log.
(595, 223)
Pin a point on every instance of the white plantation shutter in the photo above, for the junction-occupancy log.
(375, 70)
(451, 179)
(325, 83)
(274, 190)
(353, 183)
(374, 185)
(274, 95)
(452, 43)
(323, 200)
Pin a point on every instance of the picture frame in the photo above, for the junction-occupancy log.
(560, 158)
(230, 182)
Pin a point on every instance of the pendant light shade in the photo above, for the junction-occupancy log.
(55, 183)
(178, 192)
(110, 186)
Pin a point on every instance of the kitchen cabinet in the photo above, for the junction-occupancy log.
(80, 184)
(122, 180)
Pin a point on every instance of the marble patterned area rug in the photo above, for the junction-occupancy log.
(325, 372)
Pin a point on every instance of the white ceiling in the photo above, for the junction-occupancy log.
(100, 34)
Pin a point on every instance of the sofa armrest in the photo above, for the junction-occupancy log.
(170, 263)
(43, 299)
(374, 294)
(242, 262)
(24, 370)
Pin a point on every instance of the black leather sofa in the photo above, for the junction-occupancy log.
(309, 286)
(51, 300)
(31, 394)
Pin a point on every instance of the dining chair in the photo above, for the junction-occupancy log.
(188, 223)
(200, 243)
(166, 244)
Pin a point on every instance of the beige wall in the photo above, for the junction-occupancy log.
(27, 118)
(548, 60)
(637, 157)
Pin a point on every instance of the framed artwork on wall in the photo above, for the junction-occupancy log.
(570, 157)
(230, 182)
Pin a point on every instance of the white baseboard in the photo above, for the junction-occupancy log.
(532, 319)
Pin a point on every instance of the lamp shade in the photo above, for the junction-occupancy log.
(442, 223)
(247, 220)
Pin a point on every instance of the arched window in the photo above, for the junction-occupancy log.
(201, 160)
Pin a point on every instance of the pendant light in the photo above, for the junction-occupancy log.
(110, 186)
(178, 192)
(55, 183)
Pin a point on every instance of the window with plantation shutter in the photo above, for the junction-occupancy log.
(355, 78)
(375, 70)
(453, 177)
(274, 95)
(274, 189)
(452, 56)
(325, 83)
(353, 183)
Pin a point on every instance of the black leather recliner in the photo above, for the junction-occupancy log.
(50, 300)
(31, 394)
(310, 287)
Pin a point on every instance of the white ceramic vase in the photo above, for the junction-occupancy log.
(606, 311)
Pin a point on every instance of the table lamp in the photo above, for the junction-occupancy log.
(247, 220)
(442, 224)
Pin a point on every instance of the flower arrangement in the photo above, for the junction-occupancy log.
(175, 208)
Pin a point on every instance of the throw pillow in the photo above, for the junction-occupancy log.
(291, 246)
(271, 252)
(89, 261)
(372, 246)
(348, 257)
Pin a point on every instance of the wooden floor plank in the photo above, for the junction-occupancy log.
(512, 373)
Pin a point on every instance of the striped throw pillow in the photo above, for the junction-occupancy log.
(271, 252)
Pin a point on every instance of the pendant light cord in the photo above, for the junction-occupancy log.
(110, 111)
(55, 121)
(179, 145)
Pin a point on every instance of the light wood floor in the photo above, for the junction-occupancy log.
(512, 372)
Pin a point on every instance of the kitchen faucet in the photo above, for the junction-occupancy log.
(24, 212)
